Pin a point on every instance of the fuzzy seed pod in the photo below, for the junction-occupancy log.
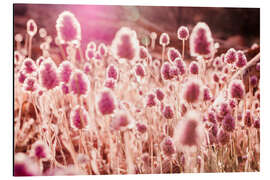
(236, 89)
(31, 27)
(121, 121)
(79, 83)
(241, 59)
(165, 71)
(79, 118)
(173, 54)
(40, 150)
(48, 76)
(194, 68)
(168, 112)
(230, 56)
(139, 70)
(112, 72)
(125, 45)
(189, 131)
(143, 53)
(228, 123)
(110, 83)
(207, 96)
(65, 70)
(182, 33)
(64, 88)
(106, 102)
(201, 41)
(168, 147)
(141, 127)
(192, 91)
(253, 81)
(150, 100)
(248, 119)
(164, 39)
(68, 28)
(22, 76)
(30, 84)
(29, 66)
(181, 65)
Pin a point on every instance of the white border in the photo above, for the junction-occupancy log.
(6, 86)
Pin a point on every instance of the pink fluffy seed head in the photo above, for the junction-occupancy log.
(224, 109)
(201, 41)
(165, 71)
(181, 65)
(241, 59)
(192, 91)
(110, 83)
(143, 53)
(106, 102)
(230, 56)
(48, 76)
(172, 54)
(189, 131)
(30, 84)
(168, 147)
(194, 68)
(164, 39)
(112, 72)
(257, 124)
(40, 150)
(216, 77)
(79, 83)
(217, 63)
(64, 88)
(160, 94)
(29, 66)
(22, 76)
(102, 50)
(79, 118)
(31, 27)
(65, 70)
(228, 123)
(121, 121)
(248, 119)
(168, 112)
(207, 96)
(125, 45)
(211, 117)
(182, 33)
(140, 70)
(253, 80)
(236, 89)
(68, 28)
(232, 103)
(174, 72)
(142, 128)
(150, 100)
